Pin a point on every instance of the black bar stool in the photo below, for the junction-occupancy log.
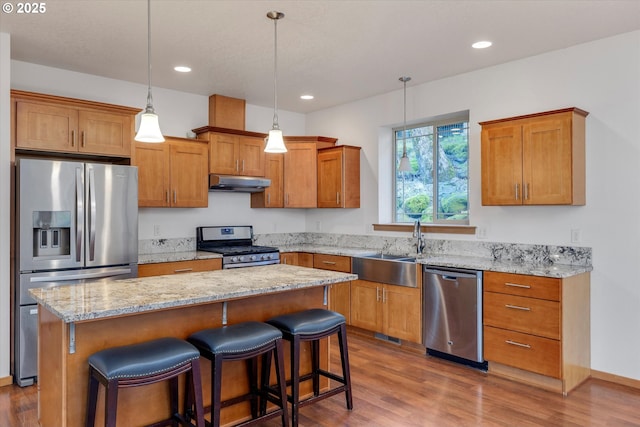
(313, 325)
(142, 364)
(245, 341)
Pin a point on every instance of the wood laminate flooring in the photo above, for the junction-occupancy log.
(395, 388)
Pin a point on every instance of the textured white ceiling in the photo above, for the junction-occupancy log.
(339, 51)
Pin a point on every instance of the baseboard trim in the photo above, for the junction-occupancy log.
(6, 381)
(617, 379)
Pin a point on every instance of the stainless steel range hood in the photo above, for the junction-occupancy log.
(238, 184)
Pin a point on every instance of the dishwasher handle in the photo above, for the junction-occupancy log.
(452, 274)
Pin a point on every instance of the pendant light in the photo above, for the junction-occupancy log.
(405, 164)
(149, 130)
(275, 143)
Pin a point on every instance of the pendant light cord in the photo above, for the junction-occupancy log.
(149, 97)
(275, 74)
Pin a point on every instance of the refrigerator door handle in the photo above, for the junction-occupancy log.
(79, 214)
(80, 276)
(92, 214)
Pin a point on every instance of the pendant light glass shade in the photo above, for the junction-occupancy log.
(149, 130)
(405, 164)
(275, 142)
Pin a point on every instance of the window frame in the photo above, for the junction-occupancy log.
(435, 122)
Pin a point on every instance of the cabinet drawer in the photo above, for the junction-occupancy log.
(332, 262)
(535, 354)
(523, 285)
(162, 268)
(528, 315)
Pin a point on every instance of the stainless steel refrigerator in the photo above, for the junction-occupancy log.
(77, 223)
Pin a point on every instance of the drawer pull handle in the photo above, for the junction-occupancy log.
(518, 344)
(517, 307)
(516, 285)
(183, 270)
(329, 262)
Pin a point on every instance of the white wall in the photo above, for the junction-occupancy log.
(5, 190)
(179, 112)
(602, 77)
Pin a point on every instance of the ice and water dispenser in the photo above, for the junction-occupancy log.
(51, 233)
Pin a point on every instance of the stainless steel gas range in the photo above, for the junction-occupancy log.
(235, 243)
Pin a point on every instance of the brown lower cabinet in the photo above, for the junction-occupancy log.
(392, 310)
(537, 329)
(177, 267)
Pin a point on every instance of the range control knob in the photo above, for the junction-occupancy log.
(234, 259)
(252, 257)
(266, 257)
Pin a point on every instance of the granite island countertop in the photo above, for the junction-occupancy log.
(74, 303)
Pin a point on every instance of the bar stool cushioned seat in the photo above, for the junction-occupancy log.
(245, 341)
(313, 325)
(142, 364)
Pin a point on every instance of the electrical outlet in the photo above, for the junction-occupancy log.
(318, 226)
(575, 235)
(156, 230)
(481, 233)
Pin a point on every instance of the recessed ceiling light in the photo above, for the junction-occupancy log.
(182, 69)
(481, 44)
(306, 97)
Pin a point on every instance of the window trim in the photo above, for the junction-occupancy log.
(435, 122)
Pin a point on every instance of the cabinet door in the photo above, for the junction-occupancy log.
(251, 156)
(107, 134)
(402, 314)
(366, 309)
(305, 259)
(289, 258)
(340, 299)
(46, 127)
(330, 179)
(223, 154)
(152, 161)
(300, 179)
(189, 175)
(547, 168)
(272, 196)
(502, 165)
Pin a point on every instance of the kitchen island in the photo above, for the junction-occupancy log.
(78, 320)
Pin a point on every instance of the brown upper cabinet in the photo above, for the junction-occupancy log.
(300, 169)
(537, 159)
(226, 112)
(273, 195)
(233, 152)
(173, 174)
(339, 177)
(66, 125)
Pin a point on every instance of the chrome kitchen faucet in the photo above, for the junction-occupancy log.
(417, 232)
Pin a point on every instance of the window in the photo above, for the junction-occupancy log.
(433, 194)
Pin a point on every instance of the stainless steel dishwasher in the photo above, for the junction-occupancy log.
(452, 314)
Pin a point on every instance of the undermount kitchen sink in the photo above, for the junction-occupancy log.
(383, 268)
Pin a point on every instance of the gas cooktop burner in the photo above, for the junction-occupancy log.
(236, 246)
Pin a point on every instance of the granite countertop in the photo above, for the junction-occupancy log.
(175, 256)
(74, 303)
(468, 262)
